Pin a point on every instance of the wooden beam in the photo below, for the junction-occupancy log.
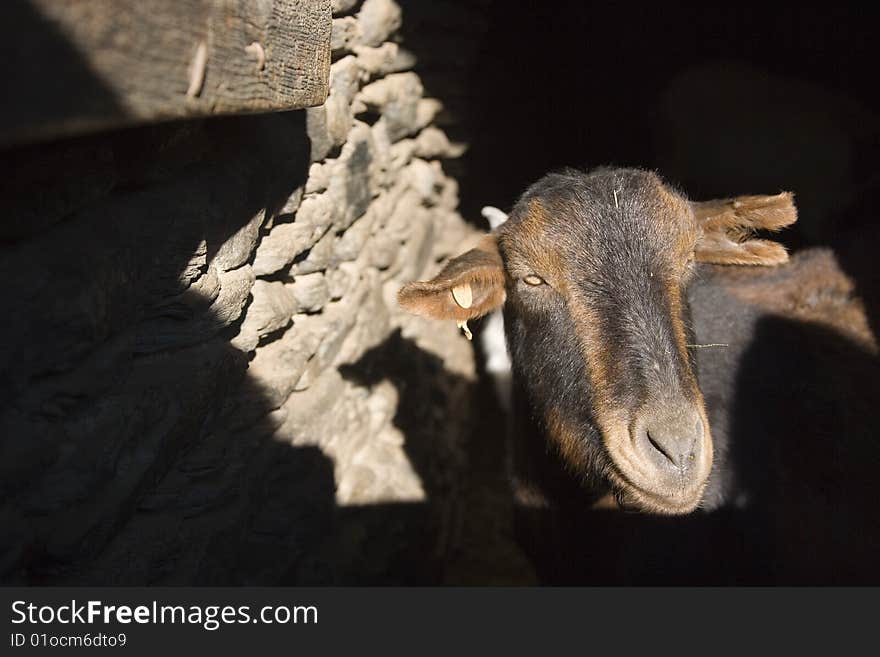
(75, 66)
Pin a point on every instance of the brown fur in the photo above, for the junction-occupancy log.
(600, 369)
(480, 267)
(812, 289)
(567, 442)
(626, 232)
(771, 213)
(719, 249)
(529, 242)
(728, 225)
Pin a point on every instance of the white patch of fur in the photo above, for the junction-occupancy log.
(492, 339)
(494, 216)
(497, 360)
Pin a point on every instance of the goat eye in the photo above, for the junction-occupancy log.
(533, 279)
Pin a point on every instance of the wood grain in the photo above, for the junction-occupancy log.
(74, 66)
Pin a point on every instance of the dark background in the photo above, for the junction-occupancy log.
(721, 100)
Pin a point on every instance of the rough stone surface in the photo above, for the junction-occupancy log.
(338, 282)
(342, 6)
(398, 98)
(278, 366)
(426, 111)
(425, 179)
(328, 124)
(387, 58)
(281, 246)
(383, 250)
(310, 292)
(378, 19)
(237, 250)
(271, 308)
(318, 258)
(354, 178)
(207, 377)
(318, 210)
(350, 245)
(319, 133)
(433, 142)
(345, 35)
(407, 211)
(319, 176)
(291, 205)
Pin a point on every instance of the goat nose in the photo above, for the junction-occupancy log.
(672, 439)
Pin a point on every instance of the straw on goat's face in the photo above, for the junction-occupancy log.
(592, 271)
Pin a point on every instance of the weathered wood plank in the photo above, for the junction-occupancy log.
(74, 66)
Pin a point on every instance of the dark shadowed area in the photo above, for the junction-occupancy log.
(163, 420)
(721, 100)
(186, 299)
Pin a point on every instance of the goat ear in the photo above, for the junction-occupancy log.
(469, 286)
(728, 225)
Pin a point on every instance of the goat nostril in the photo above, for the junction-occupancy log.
(669, 441)
(671, 444)
(659, 447)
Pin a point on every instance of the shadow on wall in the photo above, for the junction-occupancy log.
(469, 507)
(134, 446)
(122, 459)
(38, 189)
(116, 360)
(30, 65)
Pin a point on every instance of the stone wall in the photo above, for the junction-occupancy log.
(206, 378)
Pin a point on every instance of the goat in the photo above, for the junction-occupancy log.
(593, 271)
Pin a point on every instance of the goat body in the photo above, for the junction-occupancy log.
(606, 315)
